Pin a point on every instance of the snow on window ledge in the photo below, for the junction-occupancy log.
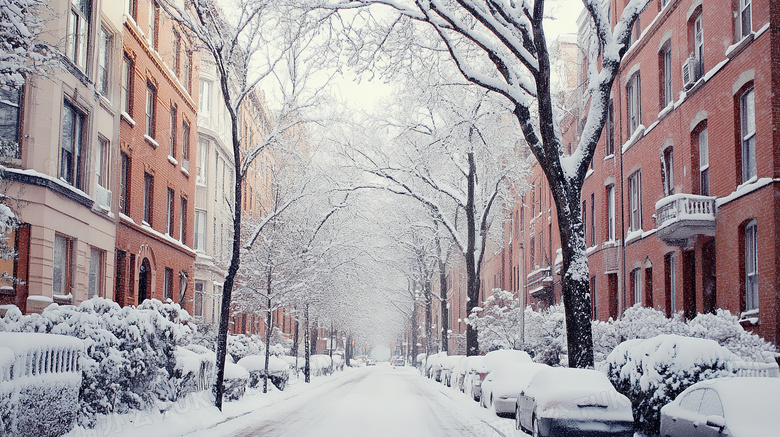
(634, 235)
(151, 141)
(749, 318)
(666, 110)
(734, 49)
(610, 156)
(172, 160)
(635, 136)
(184, 170)
(126, 117)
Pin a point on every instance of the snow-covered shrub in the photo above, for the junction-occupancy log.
(130, 352)
(545, 334)
(652, 372)
(278, 370)
(320, 365)
(724, 328)
(236, 380)
(194, 368)
(497, 321)
(239, 346)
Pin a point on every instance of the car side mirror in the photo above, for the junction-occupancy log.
(716, 422)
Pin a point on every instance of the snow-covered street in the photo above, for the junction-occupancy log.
(370, 401)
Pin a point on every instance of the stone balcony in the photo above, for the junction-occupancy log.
(682, 217)
(539, 281)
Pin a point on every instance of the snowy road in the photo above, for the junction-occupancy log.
(373, 401)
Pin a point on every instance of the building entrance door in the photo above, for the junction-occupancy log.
(144, 276)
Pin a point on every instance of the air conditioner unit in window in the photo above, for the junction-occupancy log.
(689, 73)
(103, 197)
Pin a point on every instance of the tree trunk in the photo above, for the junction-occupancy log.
(235, 260)
(268, 328)
(445, 316)
(414, 334)
(428, 301)
(307, 347)
(576, 284)
(296, 344)
(472, 279)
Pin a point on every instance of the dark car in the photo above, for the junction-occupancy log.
(561, 402)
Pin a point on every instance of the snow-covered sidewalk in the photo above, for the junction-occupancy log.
(197, 412)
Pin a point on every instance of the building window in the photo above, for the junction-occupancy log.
(154, 17)
(204, 102)
(104, 60)
(747, 116)
(633, 93)
(666, 75)
(131, 8)
(200, 230)
(667, 171)
(95, 281)
(124, 183)
(185, 143)
(751, 266)
(585, 220)
(533, 253)
(168, 283)
(183, 223)
(635, 200)
(609, 141)
(78, 32)
(744, 18)
(670, 283)
(62, 264)
(203, 160)
(72, 147)
(593, 300)
(611, 213)
(704, 162)
(636, 285)
(10, 111)
(148, 197)
(101, 164)
(187, 76)
(151, 109)
(127, 85)
(171, 210)
(176, 47)
(197, 299)
(172, 149)
(592, 219)
(698, 45)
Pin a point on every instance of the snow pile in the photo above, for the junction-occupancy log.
(725, 328)
(130, 356)
(240, 346)
(194, 368)
(652, 372)
(320, 365)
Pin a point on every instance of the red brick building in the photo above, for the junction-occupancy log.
(154, 258)
(682, 207)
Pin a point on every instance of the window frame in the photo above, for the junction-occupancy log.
(667, 170)
(201, 175)
(704, 161)
(79, 30)
(751, 266)
(200, 230)
(745, 6)
(168, 284)
(76, 158)
(634, 102)
(170, 228)
(128, 73)
(151, 109)
(636, 285)
(609, 141)
(611, 213)
(11, 110)
(103, 81)
(698, 44)
(174, 122)
(124, 183)
(197, 299)
(95, 282)
(747, 120)
(65, 267)
(102, 162)
(667, 89)
(148, 198)
(204, 97)
(635, 200)
(183, 220)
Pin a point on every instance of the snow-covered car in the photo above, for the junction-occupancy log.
(398, 362)
(433, 365)
(492, 361)
(563, 401)
(724, 406)
(501, 386)
(464, 370)
(448, 365)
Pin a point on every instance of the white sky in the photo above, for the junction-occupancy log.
(368, 93)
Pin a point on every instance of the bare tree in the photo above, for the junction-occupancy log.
(502, 46)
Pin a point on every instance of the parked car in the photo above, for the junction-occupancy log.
(464, 371)
(562, 401)
(724, 406)
(398, 362)
(433, 365)
(448, 365)
(492, 361)
(501, 386)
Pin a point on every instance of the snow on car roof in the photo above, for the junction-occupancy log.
(515, 377)
(496, 358)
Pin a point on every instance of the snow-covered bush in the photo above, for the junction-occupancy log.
(236, 380)
(194, 368)
(496, 321)
(278, 370)
(652, 372)
(240, 346)
(545, 334)
(320, 365)
(724, 328)
(130, 352)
